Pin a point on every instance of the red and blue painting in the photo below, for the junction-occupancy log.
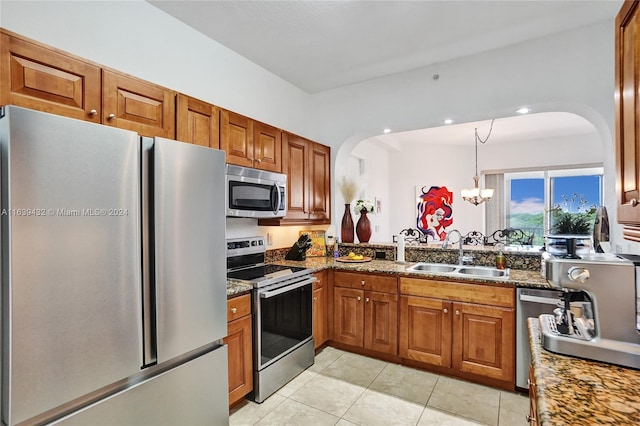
(435, 213)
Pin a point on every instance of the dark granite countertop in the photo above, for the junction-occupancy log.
(574, 391)
(237, 288)
(517, 278)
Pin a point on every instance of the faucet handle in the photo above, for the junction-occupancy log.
(466, 258)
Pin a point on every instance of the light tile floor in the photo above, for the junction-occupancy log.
(342, 388)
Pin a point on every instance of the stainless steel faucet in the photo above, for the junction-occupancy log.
(461, 257)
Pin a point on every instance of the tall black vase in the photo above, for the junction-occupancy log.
(346, 232)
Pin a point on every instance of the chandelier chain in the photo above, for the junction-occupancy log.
(478, 138)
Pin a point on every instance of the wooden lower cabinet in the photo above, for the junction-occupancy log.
(456, 330)
(532, 418)
(320, 306)
(366, 318)
(240, 347)
(425, 330)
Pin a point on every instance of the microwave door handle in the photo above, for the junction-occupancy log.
(278, 198)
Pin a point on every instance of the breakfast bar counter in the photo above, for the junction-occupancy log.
(574, 391)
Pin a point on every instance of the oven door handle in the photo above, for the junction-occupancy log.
(284, 289)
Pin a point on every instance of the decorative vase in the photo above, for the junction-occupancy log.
(346, 233)
(363, 228)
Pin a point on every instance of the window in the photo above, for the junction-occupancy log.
(550, 201)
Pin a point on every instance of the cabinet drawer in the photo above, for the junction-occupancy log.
(238, 307)
(384, 283)
(460, 292)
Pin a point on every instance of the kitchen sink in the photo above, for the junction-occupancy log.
(432, 267)
(484, 271)
(459, 270)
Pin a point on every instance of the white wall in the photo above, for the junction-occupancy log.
(137, 38)
(570, 71)
(375, 184)
(438, 164)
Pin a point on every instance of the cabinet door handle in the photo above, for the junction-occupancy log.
(362, 283)
(93, 112)
(315, 299)
(234, 310)
(111, 116)
(530, 419)
(457, 311)
(633, 202)
(445, 310)
(258, 160)
(366, 299)
(359, 298)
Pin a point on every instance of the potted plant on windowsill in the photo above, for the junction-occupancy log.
(570, 228)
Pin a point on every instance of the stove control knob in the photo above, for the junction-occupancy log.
(578, 275)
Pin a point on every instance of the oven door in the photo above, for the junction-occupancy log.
(283, 319)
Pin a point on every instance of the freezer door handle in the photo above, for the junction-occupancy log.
(537, 299)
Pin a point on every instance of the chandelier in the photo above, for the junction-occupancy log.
(476, 195)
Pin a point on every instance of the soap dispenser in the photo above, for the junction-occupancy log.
(500, 261)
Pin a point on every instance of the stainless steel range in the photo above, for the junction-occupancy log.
(282, 314)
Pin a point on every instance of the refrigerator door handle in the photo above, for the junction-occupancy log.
(150, 346)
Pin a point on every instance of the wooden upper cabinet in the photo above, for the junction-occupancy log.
(294, 165)
(267, 147)
(250, 143)
(133, 104)
(307, 165)
(320, 183)
(35, 77)
(627, 81)
(197, 122)
(236, 138)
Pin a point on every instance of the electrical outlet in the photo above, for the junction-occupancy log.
(269, 239)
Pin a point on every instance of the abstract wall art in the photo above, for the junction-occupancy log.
(435, 212)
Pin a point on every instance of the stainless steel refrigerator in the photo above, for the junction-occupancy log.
(113, 276)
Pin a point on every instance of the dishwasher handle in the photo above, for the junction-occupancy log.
(538, 299)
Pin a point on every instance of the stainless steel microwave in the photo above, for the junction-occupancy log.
(255, 193)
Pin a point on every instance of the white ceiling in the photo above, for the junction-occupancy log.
(322, 45)
(505, 130)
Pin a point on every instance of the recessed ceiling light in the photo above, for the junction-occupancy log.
(387, 130)
(448, 121)
(523, 110)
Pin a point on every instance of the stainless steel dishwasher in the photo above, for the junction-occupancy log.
(532, 302)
